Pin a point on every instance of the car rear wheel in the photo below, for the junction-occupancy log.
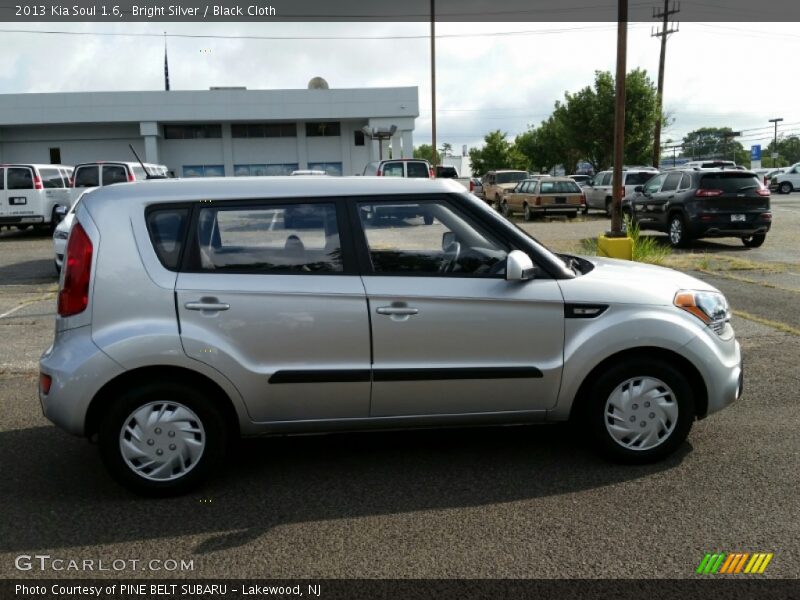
(754, 241)
(498, 203)
(641, 410)
(678, 236)
(785, 188)
(608, 206)
(504, 210)
(162, 439)
(527, 213)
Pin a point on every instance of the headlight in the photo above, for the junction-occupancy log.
(710, 307)
(60, 235)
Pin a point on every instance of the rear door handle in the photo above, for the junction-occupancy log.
(404, 311)
(213, 306)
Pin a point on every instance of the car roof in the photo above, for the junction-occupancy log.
(159, 191)
(38, 166)
(118, 162)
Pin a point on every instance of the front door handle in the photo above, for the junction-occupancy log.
(202, 305)
(403, 311)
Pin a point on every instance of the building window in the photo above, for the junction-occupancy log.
(55, 156)
(264, 170)
(204, 170)
(261, 130)
(330, 168)
(359, 137)
(323, 129)
(192, 132)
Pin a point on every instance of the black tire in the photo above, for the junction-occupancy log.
(630, 372)
(504, 209)
(58, 268)
(498, 203)
(585, 209)
(754, 241)
(785, 187)
(572, 215)
(609, 205)
(527, 214)
(122, 406)
(23, 227)
(679, 237)
(427, 219)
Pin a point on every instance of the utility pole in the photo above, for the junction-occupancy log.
(433, 84)
(663, 33)
(775, 144)
(619, 121)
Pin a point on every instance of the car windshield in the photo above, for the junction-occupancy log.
(512, 177)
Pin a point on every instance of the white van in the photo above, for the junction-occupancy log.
(34, 195)
(102, 172)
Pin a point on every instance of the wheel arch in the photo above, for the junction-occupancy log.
(160, 373)
(685, 366)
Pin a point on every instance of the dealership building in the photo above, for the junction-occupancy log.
(221, 131)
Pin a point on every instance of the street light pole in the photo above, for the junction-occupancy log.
(775, 144)
(433, 84)
(619, 121)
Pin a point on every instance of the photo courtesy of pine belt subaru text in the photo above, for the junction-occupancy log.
(191, 312)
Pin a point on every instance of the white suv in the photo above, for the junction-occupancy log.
(190, 312)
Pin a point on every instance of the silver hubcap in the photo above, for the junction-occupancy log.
(675, 231)
(641, 413)
(162, 441)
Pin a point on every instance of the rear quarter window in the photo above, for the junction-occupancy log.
(167, 228)
(20, 179)
(420, 170)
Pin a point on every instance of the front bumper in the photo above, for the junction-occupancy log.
(720, 365)
(22, 220)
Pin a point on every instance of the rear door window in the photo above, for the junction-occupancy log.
(51, 178)
(298, 238)
(607, 178)
(20, 178)
(88, 176)
(654, 184)
(418, 170)
(2, 178)
(114, 174)
(637, 177)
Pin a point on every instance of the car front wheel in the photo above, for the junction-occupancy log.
(641, 411)
(754, 241)
(678, 236)
(527, 214)
(785, 188)
(162, 439)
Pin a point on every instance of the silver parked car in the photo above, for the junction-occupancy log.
(192, 311)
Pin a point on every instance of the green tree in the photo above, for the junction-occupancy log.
(424, 151)
(447, 148)
(582, 125)
(714, 142)
(788, 152)
(495, 154)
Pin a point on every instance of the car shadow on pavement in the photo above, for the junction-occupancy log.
(56, 493)
(41, 270)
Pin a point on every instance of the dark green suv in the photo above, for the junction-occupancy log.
(690, 204)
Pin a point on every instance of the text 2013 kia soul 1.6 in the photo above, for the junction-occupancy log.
(194, 311)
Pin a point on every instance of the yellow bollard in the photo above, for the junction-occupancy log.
(615, 247)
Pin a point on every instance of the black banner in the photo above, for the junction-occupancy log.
(716, 588)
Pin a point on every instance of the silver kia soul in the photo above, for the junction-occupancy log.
(194, 311)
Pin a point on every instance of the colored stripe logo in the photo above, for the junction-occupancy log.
(733, 563)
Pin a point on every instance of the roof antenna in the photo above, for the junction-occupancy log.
(147, 173)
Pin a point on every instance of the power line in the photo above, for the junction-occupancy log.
(307, 38)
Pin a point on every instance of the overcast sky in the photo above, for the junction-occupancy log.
(729, 74)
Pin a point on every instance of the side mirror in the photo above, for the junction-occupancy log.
(61, 211)
(519, 266)
(638, 189)
(448, 237)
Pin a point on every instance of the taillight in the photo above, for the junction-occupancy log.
(707, 193)
(432, 173)
(74, 295)
(45, 382)
(71, 182)
(762, 191)
(583, 200)
(379, 173)
(37, 183)
(131, 176)
(471, 186)
(767, 216)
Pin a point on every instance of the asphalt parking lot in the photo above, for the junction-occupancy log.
(524, 502)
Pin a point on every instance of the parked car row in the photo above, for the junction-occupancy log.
(40, 195)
